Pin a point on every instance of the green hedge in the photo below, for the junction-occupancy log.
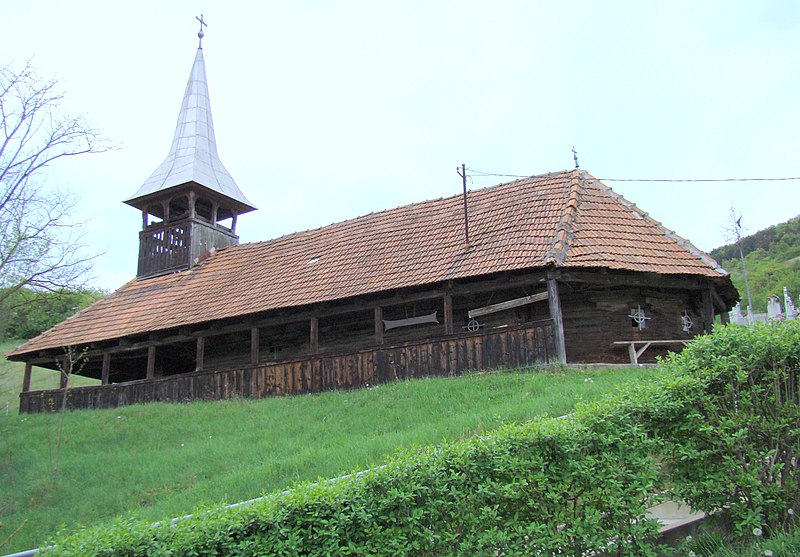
(718, 429)
(549, 486)
(736, 442)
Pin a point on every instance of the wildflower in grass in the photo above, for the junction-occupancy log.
(757, 532)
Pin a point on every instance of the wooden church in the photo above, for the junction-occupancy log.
(557, 268)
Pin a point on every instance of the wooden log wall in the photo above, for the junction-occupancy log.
(594, 318)
(511, 347)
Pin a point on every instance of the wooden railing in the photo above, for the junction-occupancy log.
(510, 347)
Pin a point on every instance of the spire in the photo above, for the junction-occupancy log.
(193, 156)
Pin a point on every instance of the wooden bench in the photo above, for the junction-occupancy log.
(636, 353)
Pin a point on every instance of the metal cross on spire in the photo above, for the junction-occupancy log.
(575, 157)
(200, 33)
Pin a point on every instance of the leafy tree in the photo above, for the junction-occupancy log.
(34, 311)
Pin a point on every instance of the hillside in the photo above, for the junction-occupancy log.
(159, 461)
(772, 257)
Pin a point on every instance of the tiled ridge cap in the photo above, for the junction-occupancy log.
(563, 232)
(680, 240)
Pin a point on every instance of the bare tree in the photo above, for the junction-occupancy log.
(733, 233)
(40, 243)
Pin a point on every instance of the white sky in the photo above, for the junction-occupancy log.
(327, 110)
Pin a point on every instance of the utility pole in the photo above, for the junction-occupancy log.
(463, 173)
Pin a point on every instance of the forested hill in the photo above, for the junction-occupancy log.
(772, 257)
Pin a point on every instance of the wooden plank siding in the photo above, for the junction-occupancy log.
(511, 347)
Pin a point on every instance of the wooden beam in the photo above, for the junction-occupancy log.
(558, 321)
(26, 379)
(314, 335)
(254, 345)
(708, 311)
(106, 371)
(151, 362)
(510, 304)
(201, 354)
(672, 282)
(395, 323)
(448, 314)
(378, 325)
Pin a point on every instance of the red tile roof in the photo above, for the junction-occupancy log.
(566, 219)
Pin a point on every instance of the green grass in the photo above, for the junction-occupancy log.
(158, 461)
(41, 379)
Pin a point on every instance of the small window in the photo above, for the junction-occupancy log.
(154, 215)
(686, 322)
(225, 218)
(203, 208)
(178, 208)
(639, 318)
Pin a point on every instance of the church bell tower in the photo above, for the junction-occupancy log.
(190, 204)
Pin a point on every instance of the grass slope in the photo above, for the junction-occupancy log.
(162, 460)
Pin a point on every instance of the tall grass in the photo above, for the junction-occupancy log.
(162, 460)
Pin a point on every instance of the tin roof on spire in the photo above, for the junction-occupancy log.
(193, 156)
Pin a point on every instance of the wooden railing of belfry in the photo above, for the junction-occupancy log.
(511, 347)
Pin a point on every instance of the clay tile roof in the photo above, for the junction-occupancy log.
(564, 219)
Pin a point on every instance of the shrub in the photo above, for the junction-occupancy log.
(732, 436)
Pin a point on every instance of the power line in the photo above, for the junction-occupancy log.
(785, 179)
(481, 173)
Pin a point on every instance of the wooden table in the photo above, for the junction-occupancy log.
(635, 353)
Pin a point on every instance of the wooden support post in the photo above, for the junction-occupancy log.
(26, 379)
(708, 311)
(448, 314)
(106, 371)
(378, 325)
(558, 322)
(201, 354)
(314, 335)
(254, 346)
(151, 362)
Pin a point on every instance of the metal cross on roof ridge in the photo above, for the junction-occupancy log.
(200, 33)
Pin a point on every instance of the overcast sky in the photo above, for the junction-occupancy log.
(328, 110)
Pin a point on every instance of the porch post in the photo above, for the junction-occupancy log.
(314, 335)
(708, 311)
(378, 325)
(254, 354)
(201, 354)
(151, 362)
(558, 322)
(448, 314)
(104, 374)
(26, 379)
